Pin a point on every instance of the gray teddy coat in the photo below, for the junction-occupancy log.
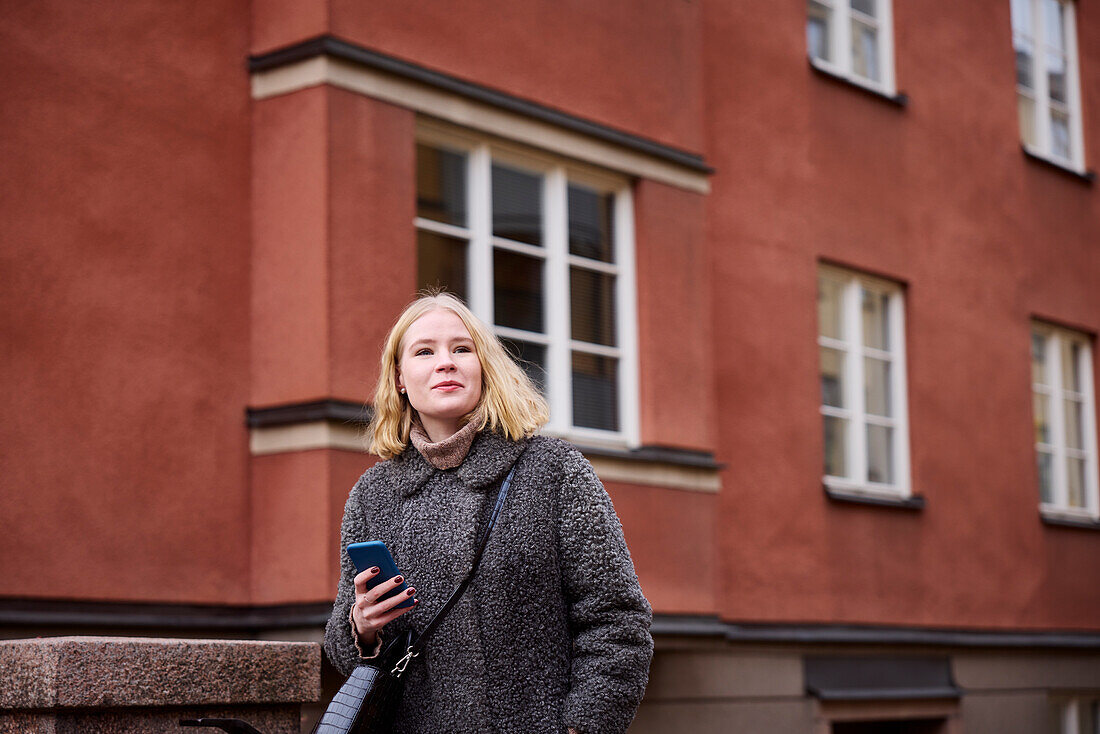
(553, 632)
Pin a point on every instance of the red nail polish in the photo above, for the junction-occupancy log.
(375, 569)
(398, 579)
(410, 592)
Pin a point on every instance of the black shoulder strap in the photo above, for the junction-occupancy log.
(422, 640)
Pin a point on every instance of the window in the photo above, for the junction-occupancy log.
(1065, 421)
(853, 39)
(863, 404)
(542, 250)
(1075, 716)
(1047, 91)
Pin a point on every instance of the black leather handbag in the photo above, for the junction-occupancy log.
(367, 703)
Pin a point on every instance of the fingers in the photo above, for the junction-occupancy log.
(383, 588)
(362, 578)
(371, 616)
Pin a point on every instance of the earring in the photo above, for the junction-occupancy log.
(402, 390)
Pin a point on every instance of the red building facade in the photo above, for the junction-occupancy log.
(825, 328)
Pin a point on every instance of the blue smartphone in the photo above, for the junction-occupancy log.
(375, 553)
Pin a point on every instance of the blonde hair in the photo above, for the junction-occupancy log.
(510, 404)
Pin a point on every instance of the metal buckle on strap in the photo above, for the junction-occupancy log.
(403, 663)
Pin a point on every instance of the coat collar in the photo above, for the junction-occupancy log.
(489, 459)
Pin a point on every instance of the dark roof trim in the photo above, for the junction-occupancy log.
(1088, 177)
(131, 615)
(913, 502)
(70, 613)
(1067, 522)
(327, 45)
(329, 409)
(879, 677)
(899, 100)
(345, 411)
(709, 626)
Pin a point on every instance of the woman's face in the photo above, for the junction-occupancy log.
(439, 371)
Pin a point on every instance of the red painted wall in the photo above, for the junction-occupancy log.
(631, 64)
(124, 204)
(174, 252)
(938, 196)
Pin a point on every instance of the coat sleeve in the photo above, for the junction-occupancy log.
(339, 644)
(609, 617)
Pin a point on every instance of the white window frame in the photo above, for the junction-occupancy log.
(1044, 147)
(481, 153)
(840, 42)
(1053, 337)
(857, 418)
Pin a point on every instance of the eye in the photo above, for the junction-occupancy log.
(463, 349)
(422, 351)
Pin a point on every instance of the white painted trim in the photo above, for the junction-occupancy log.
(1044, 145)
(855, 411)
(305, 437)
(473, 115)
(657, 474)
(324, 435)
(840, 44)
(556, 175)
(1053, 336)
(626, 307)
(558, 358)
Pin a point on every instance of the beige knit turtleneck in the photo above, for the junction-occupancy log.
(445, 454)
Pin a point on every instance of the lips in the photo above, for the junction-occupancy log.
(447, 385)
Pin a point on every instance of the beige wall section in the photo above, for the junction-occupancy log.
(1012, 712)
(474, 115)
(327, 435)
(785, 716)
(1021, 670)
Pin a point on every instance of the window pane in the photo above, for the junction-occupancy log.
(1059, 134)
(1056, 77)
(1025, 107)
(1021, 16)
(1025, 63)
(1041, 408)
(818, 22)
(441, 263)
(836, 446)
(880, 454)
(592, 306)
(877, 387)
(1071, 375)
(1039, 360)
(517, 290)
(595, 391)
(865, 50)
(828, 307)
(531, 357)
(590, 223)
(1074, 417)
(517, 205)
(875, 332)
(1054, 20)
(1046, 477)
(441, 185)
(1075, 480)
(832, 377)
(867, 7)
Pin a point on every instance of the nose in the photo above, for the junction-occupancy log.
(445, 363)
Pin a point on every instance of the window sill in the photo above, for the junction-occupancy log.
(1087, 176)
(1058, 519)
(898, 99)
(879, 499)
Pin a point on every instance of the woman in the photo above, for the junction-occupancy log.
(553, 633)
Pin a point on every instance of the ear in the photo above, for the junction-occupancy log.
(398, 380)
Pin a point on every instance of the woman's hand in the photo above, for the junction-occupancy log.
(368, 614)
